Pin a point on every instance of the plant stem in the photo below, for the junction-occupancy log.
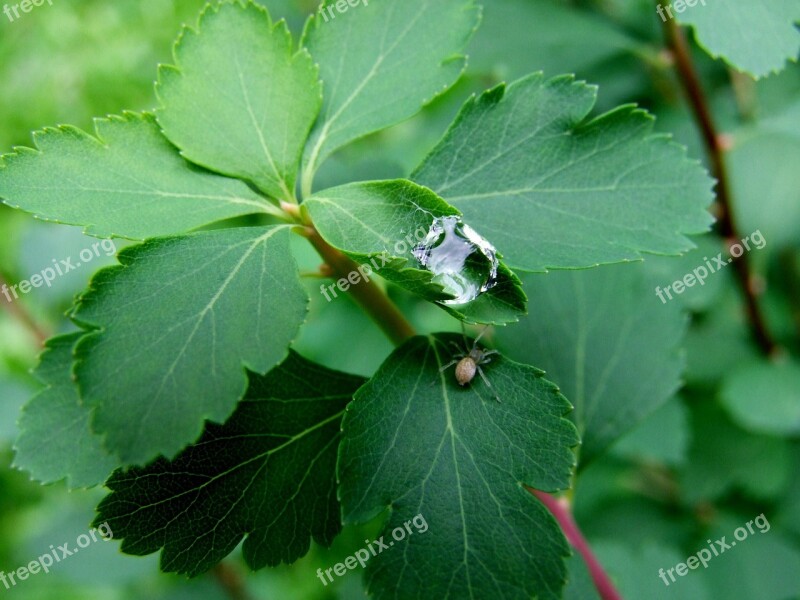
(687, 75)
(378, 306)
(366, 293)
(230, 581)
(560, 510)
(18, 312)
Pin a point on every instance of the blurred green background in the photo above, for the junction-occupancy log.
(697, 468)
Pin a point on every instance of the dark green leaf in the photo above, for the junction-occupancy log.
(418, 443)
(268, 474)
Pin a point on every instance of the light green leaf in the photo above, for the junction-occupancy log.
(765, 182)
(239, 101)
(388, 219)
(757, 36)
(127, 182)
(380, 62)
(553, 189)
(764, 398)
(458, 458)
(56, 441)
(176, 325)
(607, 340)
(268, 473)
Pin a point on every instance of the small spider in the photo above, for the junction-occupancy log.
(469, 363)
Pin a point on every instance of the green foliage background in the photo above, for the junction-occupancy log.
(722, 449)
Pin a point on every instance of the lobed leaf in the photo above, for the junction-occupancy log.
(417, 443)
(127, 182)
(240, 101)
(267, 474)
(56, 440)
(174, 327)
(756, 37)
(555, 190)
(380, 62)
(387, 219)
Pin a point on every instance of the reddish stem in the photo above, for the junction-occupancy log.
(715, 148)
(17, 311)
(560, 510)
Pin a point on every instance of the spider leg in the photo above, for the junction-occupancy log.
(489, 385)
(480, 335)
(458, 348)
(447, 366)
(450, 364)
(485, 356)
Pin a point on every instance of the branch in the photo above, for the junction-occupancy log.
(687, 75)
(560, 510)
(366, 293)
(18, 312)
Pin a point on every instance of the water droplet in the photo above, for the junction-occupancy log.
(460, 259)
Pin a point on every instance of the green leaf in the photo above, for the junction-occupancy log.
(765, 564)
(56, 441)
(720, 341)
(379, 223)
(579, 581)
(607, 340)
(176, 325)
(634, 569)
(517, 37)
(239, 101)
(662, 437)
(759, 465)
(380, 62)
(418, 443)
(764, 397)
(553, 189)
(765, 181)
(756, 37)
(268, 474)
(127, 182)
(788, 510)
